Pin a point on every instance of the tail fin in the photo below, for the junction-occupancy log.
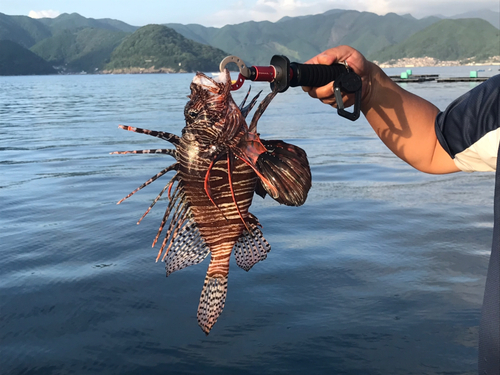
(212, 299)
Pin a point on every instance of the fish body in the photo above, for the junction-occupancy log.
(220, 163)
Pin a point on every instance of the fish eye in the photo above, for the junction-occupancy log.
(192, 114)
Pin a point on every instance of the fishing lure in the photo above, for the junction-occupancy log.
(220, 163)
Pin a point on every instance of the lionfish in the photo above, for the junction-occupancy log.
(220, 163)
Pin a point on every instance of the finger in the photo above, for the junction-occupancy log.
(312, 93)
(347, 99)
(313, 60)
(324, 92)
(330, 102)
(326, 58)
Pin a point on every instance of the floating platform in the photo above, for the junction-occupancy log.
(416, 78)
(435, 77)
(463, 79)
(413, 79)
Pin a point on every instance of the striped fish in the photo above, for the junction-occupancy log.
(220, 163)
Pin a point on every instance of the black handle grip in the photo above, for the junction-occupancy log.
(315, 75)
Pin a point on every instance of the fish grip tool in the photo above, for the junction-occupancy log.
(282, 74)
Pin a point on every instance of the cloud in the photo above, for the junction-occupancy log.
(43, 13)
(273, 10)
(261, 10)
(424, 8)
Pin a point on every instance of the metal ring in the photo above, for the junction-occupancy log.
(345, 64)
(245, 72)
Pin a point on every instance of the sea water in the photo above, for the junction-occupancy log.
(381, 271)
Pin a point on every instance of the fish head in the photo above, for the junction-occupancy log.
(211, 111)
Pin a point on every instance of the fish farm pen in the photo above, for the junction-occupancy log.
(407, 76)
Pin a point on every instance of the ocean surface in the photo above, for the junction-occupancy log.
(381, 271)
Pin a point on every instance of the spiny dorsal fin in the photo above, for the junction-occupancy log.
(245, 110)
(212, 300)
(260, 110)
(188, 248)
(251, 248)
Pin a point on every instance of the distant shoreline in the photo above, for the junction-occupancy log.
(152, 70)
(423, 62)
(407, 62)
(412, 62)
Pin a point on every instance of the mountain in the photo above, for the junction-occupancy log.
(23, 30)
(156, 47)
(448, 40)
(485, 14)
(75, 21)
(70, 41)
(77, 50)
(17, 60)
(77, 43)
(300, 38)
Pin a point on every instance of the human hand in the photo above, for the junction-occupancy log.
(355, 60)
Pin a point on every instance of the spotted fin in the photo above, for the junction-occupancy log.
(251, 248)
(287, 168)
(188, 248)
(212, 300)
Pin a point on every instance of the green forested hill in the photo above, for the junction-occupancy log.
(74, 21)
(155, 47)
(78, 50)
(70, 41)
(17, 60)
(448, 40)
(300, 38)
(23, 30)
(485, 14)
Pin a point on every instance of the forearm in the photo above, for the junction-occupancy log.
(405, 123)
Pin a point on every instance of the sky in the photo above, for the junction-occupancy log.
(222, 12)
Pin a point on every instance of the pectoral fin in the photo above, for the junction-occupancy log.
(249, 150)
(283, 169)
(286, 168)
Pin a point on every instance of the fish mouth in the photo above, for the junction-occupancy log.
(214, 86)
(210, 84)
